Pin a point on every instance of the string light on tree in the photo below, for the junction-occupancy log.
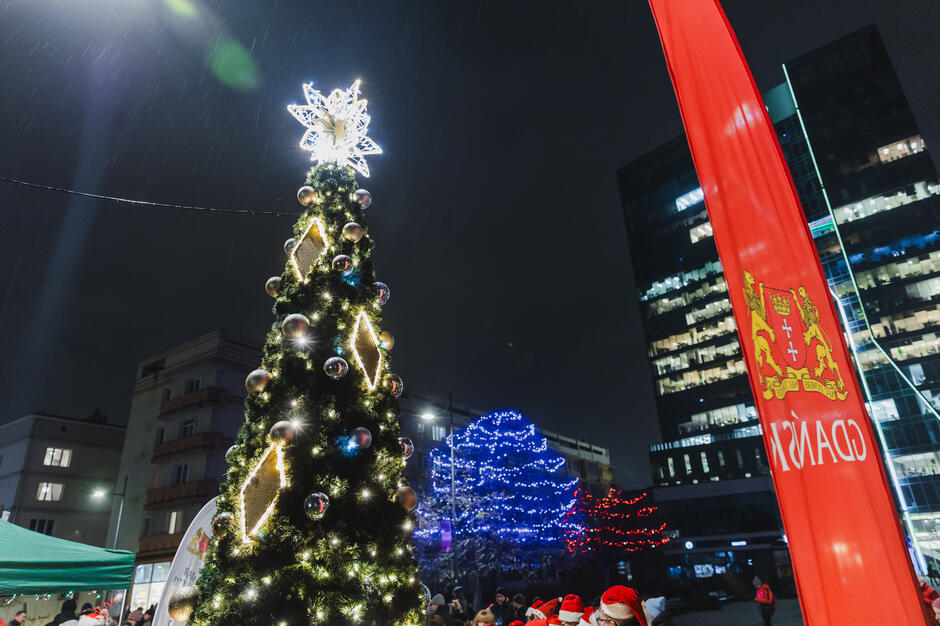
(512, 503)
(308, 519)
(615, 523)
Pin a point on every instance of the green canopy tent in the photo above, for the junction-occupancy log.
(31, 562)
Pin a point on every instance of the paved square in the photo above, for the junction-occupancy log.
(743, 614)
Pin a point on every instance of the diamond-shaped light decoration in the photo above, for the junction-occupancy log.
(365, 346)
(309, 248)
(260, 491)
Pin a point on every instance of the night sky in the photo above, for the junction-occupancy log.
(496, 208)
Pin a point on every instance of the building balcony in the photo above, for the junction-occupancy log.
(195, 491)
(195, 400)
(163, 544)
(199, 441)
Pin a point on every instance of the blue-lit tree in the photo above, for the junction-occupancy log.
(512, 500)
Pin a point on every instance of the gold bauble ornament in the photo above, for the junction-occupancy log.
(386, 340)
(307, 195)
(406, 498)
(183, 603)
(257, 381)
(352, 232)
(273, 286)
(295, 325)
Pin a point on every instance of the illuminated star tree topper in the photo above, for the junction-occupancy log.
(336, 127)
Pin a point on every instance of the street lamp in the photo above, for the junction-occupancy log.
(453, 497)
(101, 493)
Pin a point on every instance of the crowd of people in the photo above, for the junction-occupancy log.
(90, 616)
(618, 606)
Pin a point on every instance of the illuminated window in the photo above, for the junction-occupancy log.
(688, 463)
(700, 232)
(692, 198)
(49, 492)
(174, 522)
(58, 457)
(900, 149)
(671, 466)
(721, 459)
(704, 462)
(438, 432)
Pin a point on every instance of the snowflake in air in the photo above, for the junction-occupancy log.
(336, 127)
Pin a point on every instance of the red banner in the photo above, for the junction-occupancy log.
(849, 555)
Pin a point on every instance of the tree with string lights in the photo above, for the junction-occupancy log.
(512, 500)
(314, 520)
(615, 524)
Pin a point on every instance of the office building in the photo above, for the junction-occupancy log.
(187, 407)
(57, 474)
(869, 193)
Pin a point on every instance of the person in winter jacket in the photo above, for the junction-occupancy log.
(620, 606)
(67, 616)
(765, 600)
(656, 613)
(518, 607)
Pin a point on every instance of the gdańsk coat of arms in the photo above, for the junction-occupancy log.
(790, 348)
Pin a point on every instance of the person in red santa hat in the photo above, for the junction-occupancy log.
(589, 618)
(620, 606)
(571, 610)
(529, 611)
(540, 615)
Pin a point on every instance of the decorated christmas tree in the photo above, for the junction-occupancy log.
(314, 523)
(615, 524)
(512, 501)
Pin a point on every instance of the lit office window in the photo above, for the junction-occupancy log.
(704, 462)
(49, 492)
(900, 149)
(688, 463)
(58, 457)
(672, 467)
(692, 198)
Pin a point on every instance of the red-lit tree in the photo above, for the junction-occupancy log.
(615, 524)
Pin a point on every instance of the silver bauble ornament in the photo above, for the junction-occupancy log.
(282, 431)
(307, 195)
(273, 286)
(352, 232)
(257, 381)
(295, 325)
(223, 523)
(315, 505)
(342, 263)
(386, 340)
(362, 437)
(395, 385)
(289, 245)
(407, 447)
(363, 197)
(426, 592)
(406, 498)
(384, 292)
(182, 603)
(336, 367)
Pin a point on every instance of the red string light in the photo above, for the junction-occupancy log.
(613, 522)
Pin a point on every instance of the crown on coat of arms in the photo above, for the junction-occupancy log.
(780, 303)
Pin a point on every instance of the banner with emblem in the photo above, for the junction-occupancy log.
(834, 496)
(188, 562)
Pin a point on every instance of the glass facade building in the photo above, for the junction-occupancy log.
(870, 194)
